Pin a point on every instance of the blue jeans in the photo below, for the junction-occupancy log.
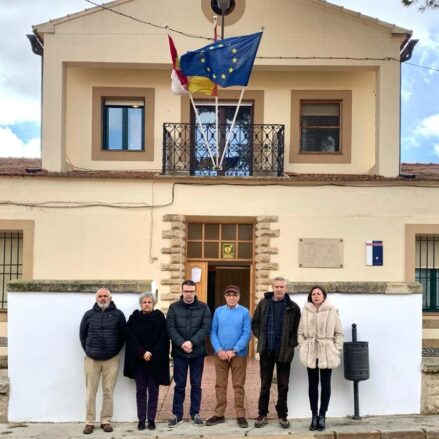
(181, 366)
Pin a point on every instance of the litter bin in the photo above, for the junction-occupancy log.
(356, 365)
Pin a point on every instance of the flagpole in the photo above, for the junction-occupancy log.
(215, 37)
(232, 127)
(202, 130)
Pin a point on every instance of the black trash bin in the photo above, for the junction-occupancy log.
(356, 365)
(356, 360)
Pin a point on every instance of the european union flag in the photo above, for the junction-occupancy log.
(225, 62)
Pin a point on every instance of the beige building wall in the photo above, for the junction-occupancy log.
(294, 31)
(277, 110)
(111, 243)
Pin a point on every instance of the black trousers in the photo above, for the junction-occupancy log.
(266, 363)
(313, 389)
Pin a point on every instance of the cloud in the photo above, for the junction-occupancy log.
(18, 108)
(12, 146)
(428, 127)
(436, 150)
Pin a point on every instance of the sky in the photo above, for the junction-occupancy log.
(20, 74)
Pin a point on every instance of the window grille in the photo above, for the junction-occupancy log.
(427, 270)
(11, 261)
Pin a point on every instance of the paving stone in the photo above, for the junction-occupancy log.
(414, 434)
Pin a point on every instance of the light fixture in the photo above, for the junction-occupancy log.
(223, 5)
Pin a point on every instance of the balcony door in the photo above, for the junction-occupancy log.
(238, 156)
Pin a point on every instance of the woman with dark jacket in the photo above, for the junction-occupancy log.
(147, 357)
(320, 340)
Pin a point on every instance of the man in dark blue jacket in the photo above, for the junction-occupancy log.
(188, 323)
(102, 337)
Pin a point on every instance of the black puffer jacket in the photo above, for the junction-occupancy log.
(102, 332)
(290, 325)
(188, 323)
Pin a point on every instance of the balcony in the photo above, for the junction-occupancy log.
(253, 150)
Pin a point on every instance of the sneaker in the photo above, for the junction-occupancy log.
(242, 423)
(151, 424)
(261, 421)
(284, 422)
(215, 420)
(174, 421)
(107, 428)
(198, 420)
(88, 429)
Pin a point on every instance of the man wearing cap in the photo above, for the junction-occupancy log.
(230, 334)
(274, 324)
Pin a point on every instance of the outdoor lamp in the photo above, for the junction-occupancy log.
(223, 5)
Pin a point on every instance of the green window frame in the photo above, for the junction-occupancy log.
(123, 125)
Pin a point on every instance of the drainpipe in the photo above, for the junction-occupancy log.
(406, 53)
(38, 48)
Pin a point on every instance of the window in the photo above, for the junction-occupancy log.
(321, 126)
(16, 254)
(11, 261)
(427, 270)
(124, 125)
(220, 241)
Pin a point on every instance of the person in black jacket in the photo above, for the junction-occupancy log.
(274, 324)
(147, 357)
(102, 337)
(188, 323)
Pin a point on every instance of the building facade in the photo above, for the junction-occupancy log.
(310, 183)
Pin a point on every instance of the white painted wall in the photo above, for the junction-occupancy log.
(46, 358)
(392, 324)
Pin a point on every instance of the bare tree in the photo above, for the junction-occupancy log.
(422, 4)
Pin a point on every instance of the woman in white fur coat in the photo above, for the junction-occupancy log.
(321, 338)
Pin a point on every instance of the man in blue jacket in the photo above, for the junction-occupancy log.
(230, 334)
(102, 337)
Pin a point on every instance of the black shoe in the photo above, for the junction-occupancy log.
(151, 424)
(242, 422)
(261, 421)
(321, 423)
(141, 425)
(284, 423)
(215, 420)
(314, 423)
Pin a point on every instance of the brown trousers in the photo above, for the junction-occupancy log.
(93, 371)
(238, 366)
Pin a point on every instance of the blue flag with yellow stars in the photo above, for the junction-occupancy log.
(225, 62)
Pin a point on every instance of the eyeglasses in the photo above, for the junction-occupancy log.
(189, 292)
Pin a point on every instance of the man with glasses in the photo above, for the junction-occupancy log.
(188, 323)
(230, 334)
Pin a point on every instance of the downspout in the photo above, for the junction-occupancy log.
(406, 54)
(38, 48)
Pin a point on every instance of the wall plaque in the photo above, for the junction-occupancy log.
(320, 253)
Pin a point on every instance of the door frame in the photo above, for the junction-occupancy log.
(203, 263)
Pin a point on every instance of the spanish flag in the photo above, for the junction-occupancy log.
(181, 84)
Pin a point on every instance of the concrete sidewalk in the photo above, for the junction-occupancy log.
(377, 427)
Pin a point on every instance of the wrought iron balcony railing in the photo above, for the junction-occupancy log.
(253, 150)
